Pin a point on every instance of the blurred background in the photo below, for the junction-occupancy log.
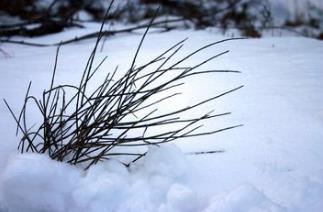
(251, 18)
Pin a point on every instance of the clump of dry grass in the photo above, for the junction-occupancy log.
(80, 126)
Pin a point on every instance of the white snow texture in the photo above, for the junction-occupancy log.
(33, 182)
(273, 163)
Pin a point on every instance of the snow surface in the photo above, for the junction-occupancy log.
(272, 163)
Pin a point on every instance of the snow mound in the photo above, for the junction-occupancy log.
(161, 182)
(33, 182)
(246, 198)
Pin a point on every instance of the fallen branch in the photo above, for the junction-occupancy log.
(103, 33)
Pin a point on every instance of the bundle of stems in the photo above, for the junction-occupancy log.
(84, 126)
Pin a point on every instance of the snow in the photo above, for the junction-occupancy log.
(33, 182)
(244, 198)
(272, 163)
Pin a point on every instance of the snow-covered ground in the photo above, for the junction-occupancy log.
(272, 163)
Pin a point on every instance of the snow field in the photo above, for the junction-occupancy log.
(272, 163)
